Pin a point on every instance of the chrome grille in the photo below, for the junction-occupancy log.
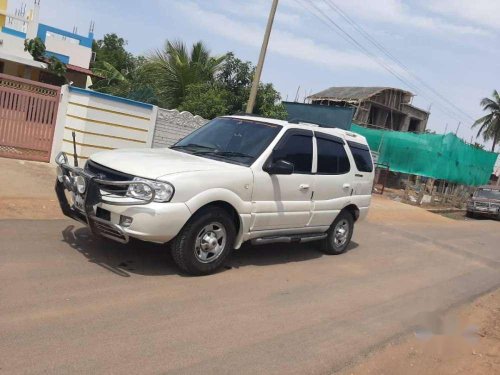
(106, 173)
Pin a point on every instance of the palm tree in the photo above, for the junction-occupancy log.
(490, 124)
(109, 75)
(175, 68)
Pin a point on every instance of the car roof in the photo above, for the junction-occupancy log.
(345, 134)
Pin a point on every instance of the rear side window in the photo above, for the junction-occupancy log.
(362, 156)
(297, 150)
(332, 158)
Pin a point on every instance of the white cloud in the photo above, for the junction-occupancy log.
(481, 12)
(255, 9)
(395, 12)
(282, 42)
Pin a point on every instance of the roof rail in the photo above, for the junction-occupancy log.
(298, 121)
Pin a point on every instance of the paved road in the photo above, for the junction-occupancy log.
(73, 305)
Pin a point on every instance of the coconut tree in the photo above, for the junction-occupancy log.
(175, 68)
(489, 125)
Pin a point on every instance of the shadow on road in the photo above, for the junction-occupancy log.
(137, 257)
(144, 258)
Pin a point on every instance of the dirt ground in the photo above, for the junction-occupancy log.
(27, 190)
(464, 341)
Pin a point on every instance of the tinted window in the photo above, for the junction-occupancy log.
(230, 139)
(332, 158)
(362, 157)
(297, 149)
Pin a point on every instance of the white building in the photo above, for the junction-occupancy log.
(70, 48)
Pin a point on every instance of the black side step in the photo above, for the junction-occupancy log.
(298, 238)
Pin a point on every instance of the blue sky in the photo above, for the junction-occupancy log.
(452, 45)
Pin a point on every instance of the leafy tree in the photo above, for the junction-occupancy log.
(111, 49)
(489, 125)
(110, 76)
(175, 68)
(268, 102)
(236, 77)
(207, 100)
(35, 47)
(135, 85)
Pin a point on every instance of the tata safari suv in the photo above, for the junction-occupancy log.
(485, 202)
(236, 179)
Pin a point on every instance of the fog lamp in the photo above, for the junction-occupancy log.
(125, 221)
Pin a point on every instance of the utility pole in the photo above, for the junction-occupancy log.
(262, 56)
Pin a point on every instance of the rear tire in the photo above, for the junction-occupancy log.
(339, 234)
(469, 214)
(205, 242)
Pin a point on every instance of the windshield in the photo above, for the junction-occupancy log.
(488, 194)
(234, 140)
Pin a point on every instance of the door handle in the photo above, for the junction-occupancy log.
(346, 186)
(303, 186)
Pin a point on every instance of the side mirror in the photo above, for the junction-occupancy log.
(471, 195)
(279, 167)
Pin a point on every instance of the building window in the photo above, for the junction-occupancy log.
(332, 158)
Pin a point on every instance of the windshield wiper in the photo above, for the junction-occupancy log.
(233, 153)
(192, 145)
(223, 154)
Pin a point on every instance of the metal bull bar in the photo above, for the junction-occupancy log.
(96, 190)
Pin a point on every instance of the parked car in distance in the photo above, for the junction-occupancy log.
(485, 201)
(236, 179)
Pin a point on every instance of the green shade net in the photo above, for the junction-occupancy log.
(444, 157)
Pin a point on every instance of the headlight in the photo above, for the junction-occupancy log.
(163, 190)
(80, 184)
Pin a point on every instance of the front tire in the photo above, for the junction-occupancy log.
(205, 242)
(339, 234)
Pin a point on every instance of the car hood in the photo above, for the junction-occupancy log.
(157, 162)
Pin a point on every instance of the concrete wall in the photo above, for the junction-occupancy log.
(101, 122)
(172, 125)
(106, 122)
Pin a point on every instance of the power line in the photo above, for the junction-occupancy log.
(403, 66)
(344, 34)
(340, 31)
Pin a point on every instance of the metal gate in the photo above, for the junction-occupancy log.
(28, 112)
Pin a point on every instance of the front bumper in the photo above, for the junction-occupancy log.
(484, 208)
(103, 212)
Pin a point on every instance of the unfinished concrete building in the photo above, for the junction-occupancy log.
(377, 107)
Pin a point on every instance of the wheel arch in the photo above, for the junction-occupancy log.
(353, 210)
(228, 207)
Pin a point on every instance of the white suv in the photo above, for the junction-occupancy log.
(238, 178)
